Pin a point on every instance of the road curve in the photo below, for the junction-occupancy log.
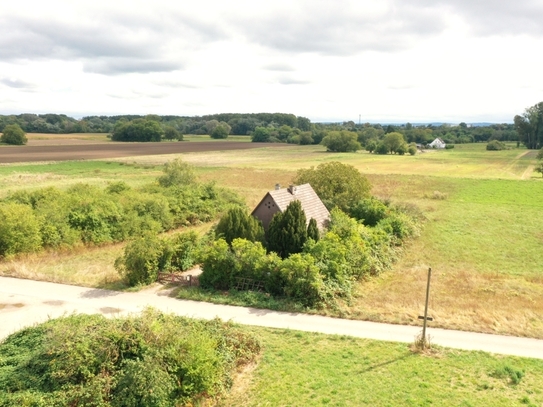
(19, 154)
(27, 302)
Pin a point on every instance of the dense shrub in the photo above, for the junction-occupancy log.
(177, 173)
(155, 359)
(495, 145)
(141, 261)
(370, 211)
(19, 229)
(148, 255)
(13, 134)
(303, 281)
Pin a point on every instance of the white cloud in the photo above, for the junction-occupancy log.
(384, 59)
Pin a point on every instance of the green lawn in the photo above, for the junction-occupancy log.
(306, 369)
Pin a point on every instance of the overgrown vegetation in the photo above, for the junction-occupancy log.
(155, 359)
(86, 214)
(317, 271)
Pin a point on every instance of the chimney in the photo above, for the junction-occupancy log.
(277, 187)
(292, 189)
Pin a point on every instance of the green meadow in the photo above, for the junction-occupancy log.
(308, 369)
(481, 236)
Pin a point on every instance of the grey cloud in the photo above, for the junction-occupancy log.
(176, 84)
(494, 17)
(279, 67)
(342, 31)
(286, 80)
(17, 83)
(140, 43)
(116, 66)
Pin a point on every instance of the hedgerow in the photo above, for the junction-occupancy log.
(90, 215)
(155, 359)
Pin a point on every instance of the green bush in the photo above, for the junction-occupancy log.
(218, 266)
(141, 261)
(495, 145)
(19, 229)
(154, 359)
(370, 211)
(13, 134)
(184, 250)
(177, 173)
(304, 282)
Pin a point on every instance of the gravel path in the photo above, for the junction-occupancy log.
(26, 302)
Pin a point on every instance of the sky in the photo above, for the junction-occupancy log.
(388, 61)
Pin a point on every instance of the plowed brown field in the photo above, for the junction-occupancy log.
(66, 152)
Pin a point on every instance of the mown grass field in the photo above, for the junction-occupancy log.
(307, 369)
(482, 236)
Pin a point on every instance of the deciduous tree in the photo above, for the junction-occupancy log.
(529, 126)
(337, 184)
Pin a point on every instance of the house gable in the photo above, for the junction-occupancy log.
(278, 200)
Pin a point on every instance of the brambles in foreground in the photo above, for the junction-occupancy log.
(155, 359)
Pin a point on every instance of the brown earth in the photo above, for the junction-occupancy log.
(91, 151)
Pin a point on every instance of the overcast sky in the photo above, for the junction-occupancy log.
(385, 60)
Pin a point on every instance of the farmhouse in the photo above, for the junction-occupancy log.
(437, 143)
(278, 200)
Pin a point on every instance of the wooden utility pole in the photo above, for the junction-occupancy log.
(426, 318)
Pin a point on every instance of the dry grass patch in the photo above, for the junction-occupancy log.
(459, 299)
(89, 267)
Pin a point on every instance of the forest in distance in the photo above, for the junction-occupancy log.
(245, 124)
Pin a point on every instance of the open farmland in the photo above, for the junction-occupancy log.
(482, 234)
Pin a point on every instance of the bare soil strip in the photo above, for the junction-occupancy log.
(20, 154)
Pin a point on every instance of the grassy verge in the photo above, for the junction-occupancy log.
(307, 369)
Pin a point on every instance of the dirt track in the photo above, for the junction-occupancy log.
(33, 153)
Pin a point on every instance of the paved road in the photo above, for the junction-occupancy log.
(33, 153)
(26, 302)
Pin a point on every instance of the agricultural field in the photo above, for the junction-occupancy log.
(481, 236)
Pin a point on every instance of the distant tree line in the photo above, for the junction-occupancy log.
(238, 123)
